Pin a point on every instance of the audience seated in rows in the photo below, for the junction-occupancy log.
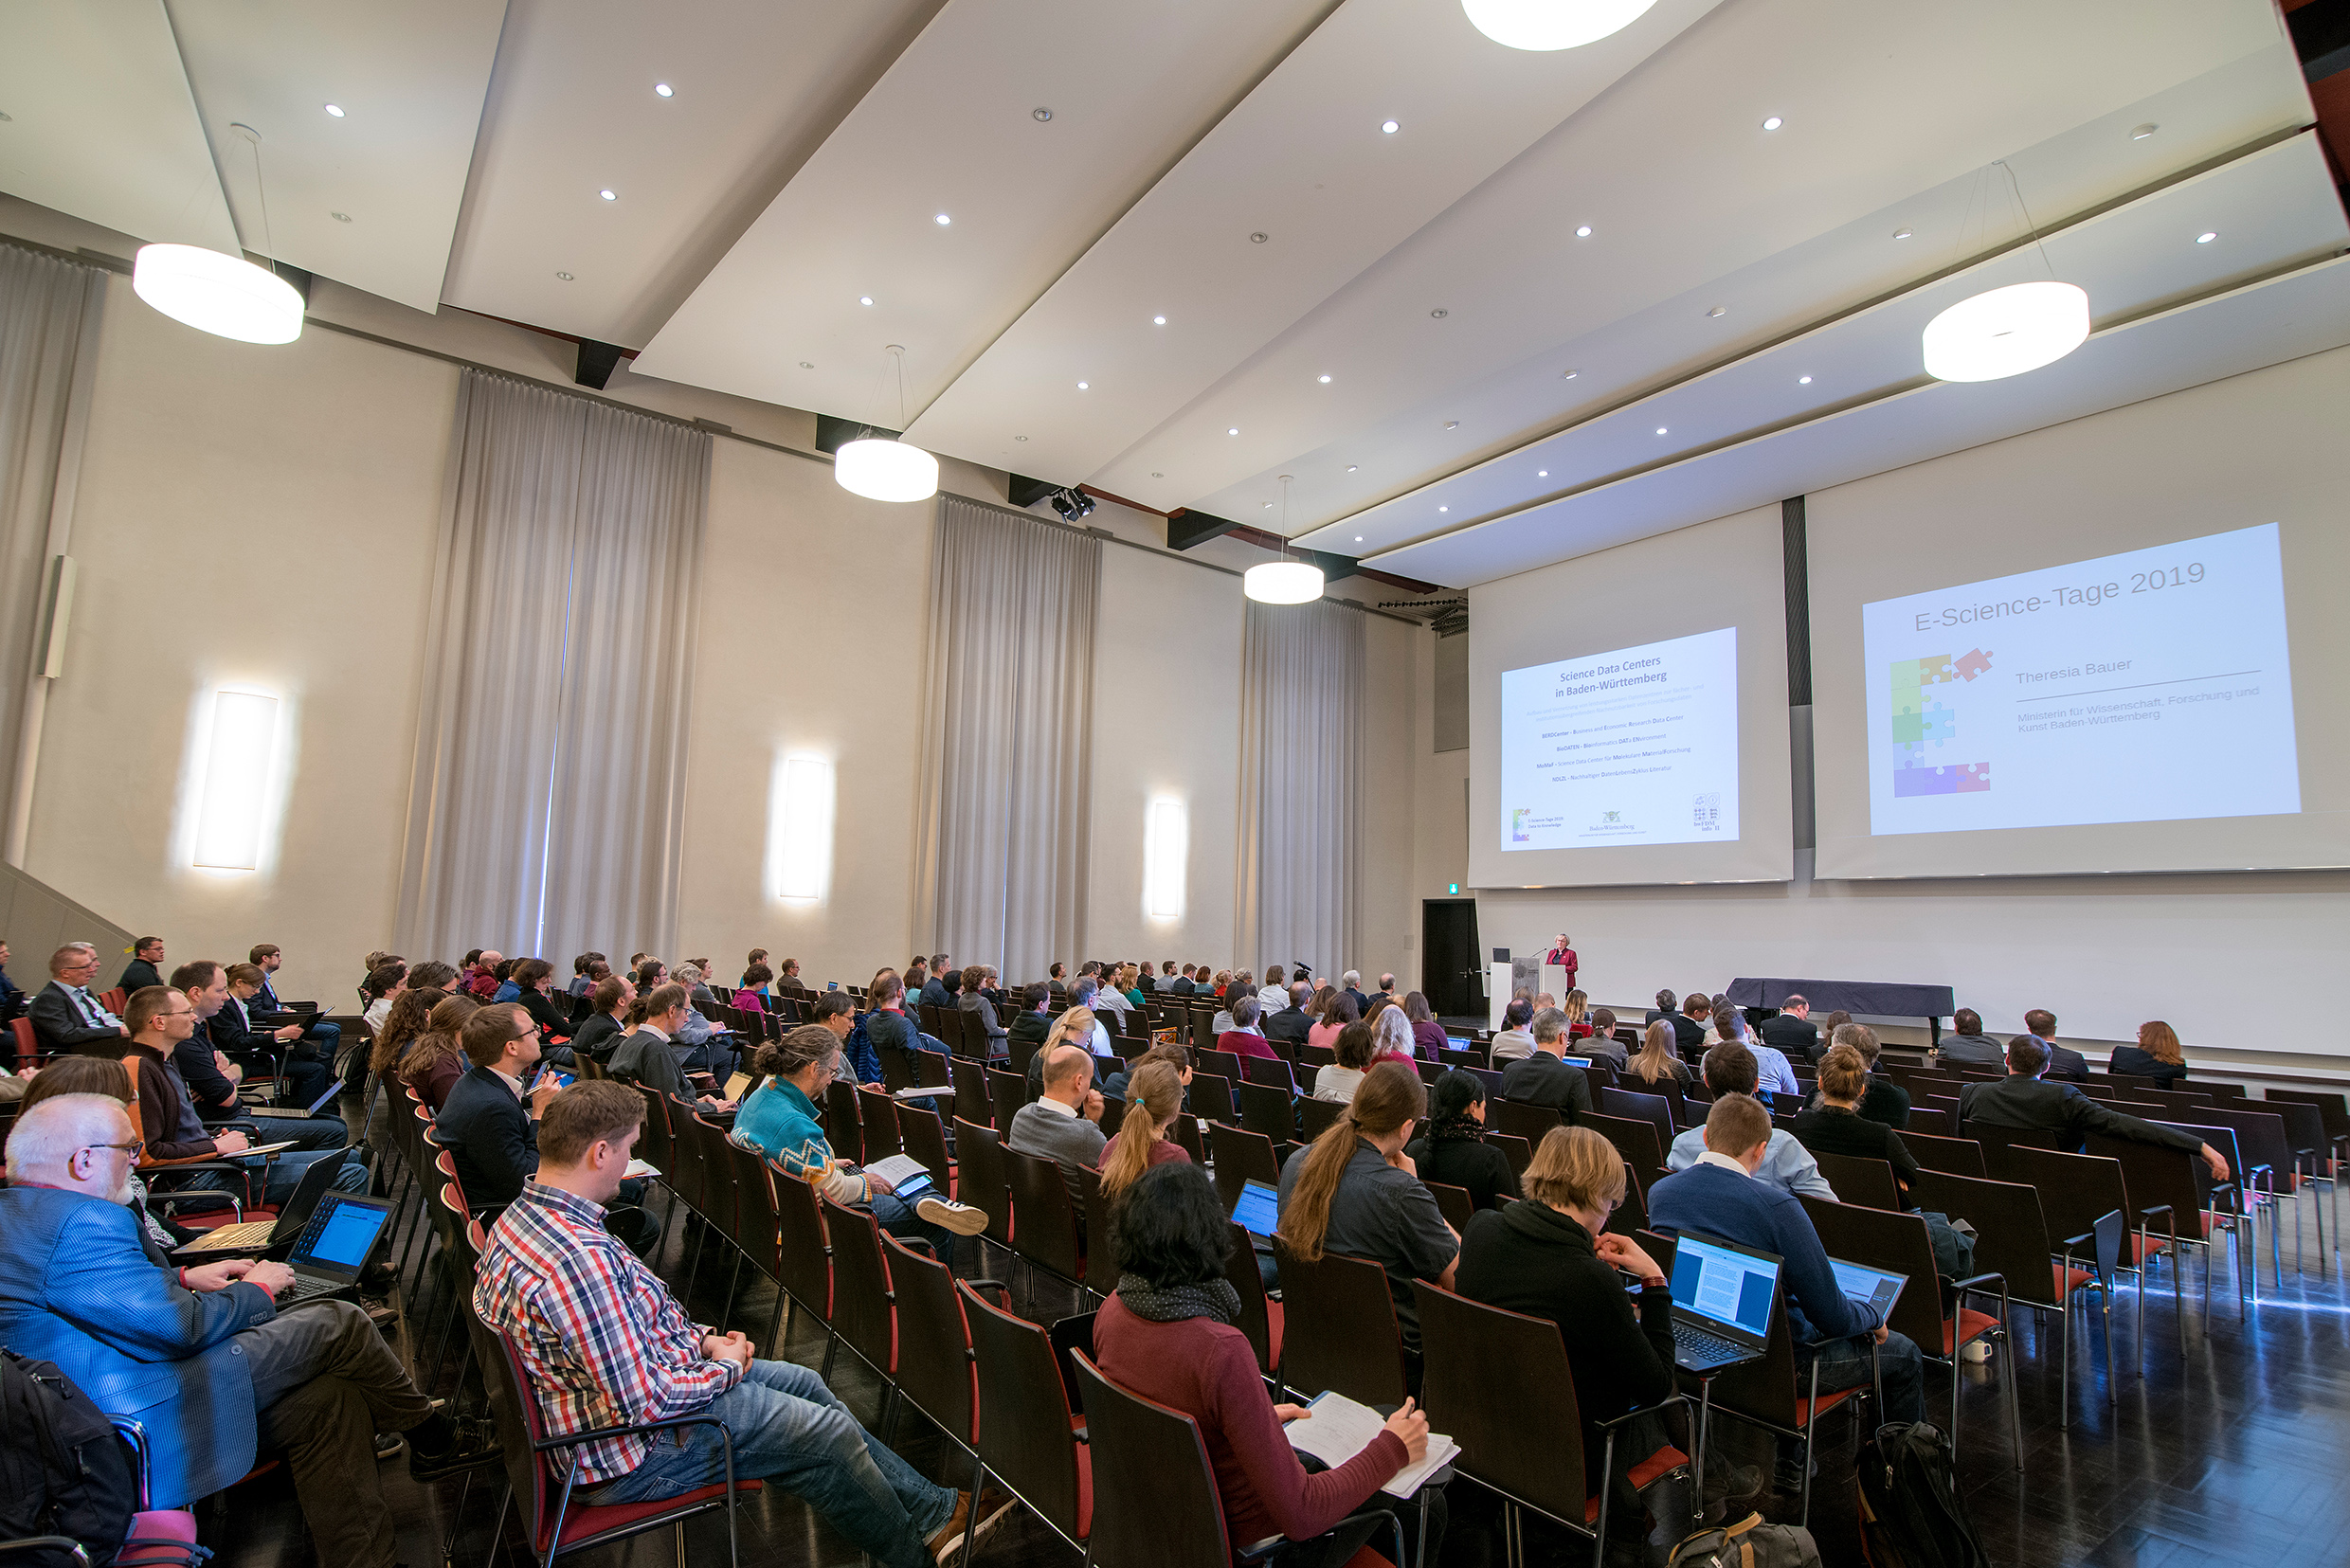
(1545, 1077)
(1968, 1046)
(1720, 1197)
(1391, 1033)
(2024, 1100)
(1426, 1031)
(648, 1057)
(1791, 1031)
(1884, 1101)
(602, 1343)
(1659, 1058)
(1838, 1121)
(599, 1033)
(1514, 1040)
(200, 1356)
(1451, 1147)
(1154, 1097)
(974, 1001)
(146, 966)
(2065, 1065)
(1063, 1123)
(1340, 1081)
(1114, 1088)
(1786, 1164)
(2158, 1055)
(1353, 1190)
(65, 1016)
(1245, 1038)
(1776, 1073)
(436, 1058)
(1291, 1024)
(1337, 1011)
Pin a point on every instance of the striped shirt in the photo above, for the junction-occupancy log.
(602, 1340)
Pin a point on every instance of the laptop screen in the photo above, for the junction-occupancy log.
(1872, 1290)
(1576, 1061)
(1258, 1209)
(1724, 1285)
(341, 1233)
(1458, 1042)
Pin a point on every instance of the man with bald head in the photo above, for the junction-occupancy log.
(200, 1356)
(1064, 1123)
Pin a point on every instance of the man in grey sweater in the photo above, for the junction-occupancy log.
(1064, 1125)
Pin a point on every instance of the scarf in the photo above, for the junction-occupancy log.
(1458, 1129)
(1214, 1298)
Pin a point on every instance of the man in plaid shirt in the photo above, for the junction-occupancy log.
(604, 1344)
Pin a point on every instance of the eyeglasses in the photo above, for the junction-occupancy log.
(131, 1149)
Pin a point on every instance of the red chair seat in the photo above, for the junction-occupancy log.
(1807, 1411)
(1648, 1470)
(1275, 1317)
(213, 1215)
(2070, 1279)
(173, 1530)
(1970, 1323)
(588, 1519)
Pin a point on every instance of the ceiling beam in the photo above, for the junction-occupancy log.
(1186, 528)
(597, 361)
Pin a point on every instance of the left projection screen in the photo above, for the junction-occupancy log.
(1636, 746)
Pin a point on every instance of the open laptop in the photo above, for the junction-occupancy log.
(1576, 1061)
(342, 1234)
(738, 1086)
(1873, 1290)
(1722, 1296)
(249, 1234)
(1458, 1042)
(333, 1087)
(1257, 1210)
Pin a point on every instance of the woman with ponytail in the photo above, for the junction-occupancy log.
(1355, 1192)
(1154, 1097)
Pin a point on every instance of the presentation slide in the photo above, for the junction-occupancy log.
(1635, 747)
(2150, 686)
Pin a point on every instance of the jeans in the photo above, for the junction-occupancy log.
(1844, 1363)
(898, 1217)
(324, 1385)
(789, 1428)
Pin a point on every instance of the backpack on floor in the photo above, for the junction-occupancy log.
(1748, 1543)
(1912, 1515)
(63, 1469)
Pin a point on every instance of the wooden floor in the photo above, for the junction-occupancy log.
(2233, 1451)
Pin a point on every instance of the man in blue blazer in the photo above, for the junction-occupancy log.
(1720, 1197)
(200, 1357)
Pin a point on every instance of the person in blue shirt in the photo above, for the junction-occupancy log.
(1720, 1196)
(1786, 1165)
(779, 1121)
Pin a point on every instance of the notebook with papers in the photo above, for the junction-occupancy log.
(342, 1234)
(1722, 1296)
(1873, 1291)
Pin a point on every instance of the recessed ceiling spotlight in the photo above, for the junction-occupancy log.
(1582, 231)
(1773, 123)
(1020, 437)
(1452, 425)
(1444, 509)
(1156, 475)
(664, 89)
(1541, 473)
(1901, 233)
(1661, 429)
(1568, 375)
(1358, 538)
(607, 195)
(1084, 385)
(1803, 381)
(1440, 313)
(340, 217)
(565, 275)
(2206, 236)
(943, 220)
(864, 299)
(335, 109)
(810, 364)
(1325, 381)
(2140, 132)
(1351, 468)
(1234, 431)
(1717, 310)
(1259, 237)
(1268, 506)
(1040, 114)
(1389, 126)
(1158, 320)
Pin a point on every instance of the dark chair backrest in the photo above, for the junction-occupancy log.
(1315, 1116)
(1928, 1119)
(864, 1304)
(936, 1368)
(1869, 1182)
(1652, 1108)
(1256, 1312)
(920, 1132)
(1959, 1156)
(1515, 1149)
(1045, 1227)
(1636, 1140)
(1997, 1142)
(1210, 1097)
(1497, 1383)
(2330, 1105)
(1273, 1071)
(984, 1183)
(2076, 1191)
(717, 1171)
(2011, 1233)
(1267, 1110)
(1155, 1493)
(1224, 1064)
(1101, 1252)
(879, 1113)
(1186, 1132)
(1896, 1242)
(844, 1122)
(1007, 1092)
(1631, 1215)
(1340, 1331)
(972, 1101)
(930, 1069)
(1238, 1156)
(2260, 1134)
(1520, 1120)
(1454, 1202)
(2159, 1177)
(1025, 1436)
(1764, 1390)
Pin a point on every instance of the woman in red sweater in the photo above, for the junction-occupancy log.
(1168, 1335)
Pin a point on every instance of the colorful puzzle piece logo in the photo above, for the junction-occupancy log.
(1916, 720)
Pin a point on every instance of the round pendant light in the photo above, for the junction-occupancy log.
(2006, 331)
(1283, 583)
(884, 470)
(225, 295)
(1552, 24)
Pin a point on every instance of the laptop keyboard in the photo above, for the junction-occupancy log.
(1699, 1346)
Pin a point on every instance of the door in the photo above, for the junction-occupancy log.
(1449, 969)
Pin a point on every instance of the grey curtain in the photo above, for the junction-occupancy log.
(1000, 861)
(547, 805)
(1301, 713)
(50, 310)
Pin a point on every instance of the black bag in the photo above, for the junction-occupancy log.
(1912, 1515)
(1748, 1543)
(63, 1469)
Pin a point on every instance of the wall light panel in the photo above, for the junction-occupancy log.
(230, 814)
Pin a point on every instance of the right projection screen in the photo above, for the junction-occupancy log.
(2080, 651)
